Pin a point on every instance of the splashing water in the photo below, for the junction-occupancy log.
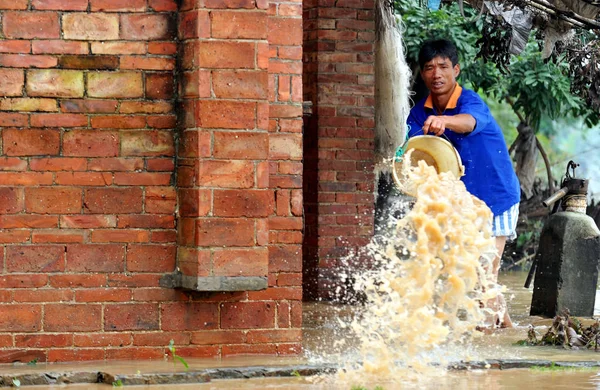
(423, 296)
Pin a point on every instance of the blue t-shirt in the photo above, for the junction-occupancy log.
(489, 174)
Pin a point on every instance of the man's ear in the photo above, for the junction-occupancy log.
(456, 70)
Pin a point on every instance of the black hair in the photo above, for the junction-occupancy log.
(438, 48)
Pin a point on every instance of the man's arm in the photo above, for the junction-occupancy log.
(459, 123)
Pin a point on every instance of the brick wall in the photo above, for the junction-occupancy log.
(138, 137)
(338, 173)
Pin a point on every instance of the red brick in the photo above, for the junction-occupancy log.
(163, 236)
(193, 262)
(285, 31)
(238, 24)
(29, 142)
(102, 339)
(285, 258)
(118, 122)
(194, 24)
(147, 63)
(159, 86)
(243, 203)
(285, 146)
(241, 262)
(57, 236)
(58, 120)
(287, 293)
(241, 145)
(89, 106)
(244, 349)
(113, 200)
(72, 317)
(147, 221)
(55, 83)
(247, 315)
(296, 202)
(283, 314)
(13, 4)
(72, 355)
(11, 200)
(162, 5)
(122, 84)
(87, 221)
(224, 54)
(151, 258)
(118, 5)
(27, 221)
(83, 178)
(60, 5)
(13, 119)
(146, 107)
(88, 62)
(228, 174)
(179, 316)
(20, 318)
(15, 236)
(240, 84)
(118, 47)
(208, 337)
(14, 46)
(6, 340)
(116, 164)
(77, 280)
(159, 294)
(160, 200)
(195, 144)
(274, 336)
(96, 26)
(43, 340)
(162, 48)
(226, 114)
(136, 353)
(35, 258)
(147, 143)
(137, 316)
(162, 121)
(44, 295)
(160, 165)
(25, 178)
(28, 104)
(196, 84)
(12, 164)
(58, 164)
(11, 82)
(55, 200)
(194, 202)
(103, 295)
(140, 280)
(225, 231)
(161, 339)
(91, 143)
(95, 258)
(120, 235)
(29, 25)
(146, 27)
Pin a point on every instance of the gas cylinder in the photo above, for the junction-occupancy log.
(568, 255)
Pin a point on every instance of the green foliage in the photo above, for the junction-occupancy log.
(296, 374)
(32, 362)
(177, 357)
(117, 383)
(553, 367)
(16, 383)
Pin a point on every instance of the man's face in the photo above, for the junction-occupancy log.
(440, 76)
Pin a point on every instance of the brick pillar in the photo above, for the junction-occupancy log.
(338, 173)
(223, 169)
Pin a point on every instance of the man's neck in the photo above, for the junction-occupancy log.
(441, 101)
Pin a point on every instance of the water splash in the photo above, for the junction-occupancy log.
(422, 296)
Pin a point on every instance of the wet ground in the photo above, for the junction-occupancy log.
(321, 333)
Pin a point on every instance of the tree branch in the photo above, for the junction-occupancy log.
(547, 163)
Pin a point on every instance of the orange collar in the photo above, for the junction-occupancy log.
(453, 98)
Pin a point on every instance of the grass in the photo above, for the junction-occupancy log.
(554, 368)
(177, 357)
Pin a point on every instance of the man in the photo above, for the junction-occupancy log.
(462, 116)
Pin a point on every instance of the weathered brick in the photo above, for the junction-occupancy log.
(228, 174)
(241, 145)
(151, 258)
(15, 236)
(28, 221)
(57, 164)
(72, 355)
(179, 316)
(160, 200)
(91, 143)
(120, 235)
(44, 295)
(238, 24)
(25, 178)
(113, 200)
(148, 221)
(285, 258)
(14, 4)
(243, 203)
(103, 295)
(147, 143)
(11, 82)
(120, 317)
(194, 202)
(89, 106)
(162, 5)
(115, 84)
(28, 25)
(95, 258)
(224, 54)
(162, 48)
(88, 62)
(240, 84)
(55, 83)
(88, 221)
(57, 236)
(12, 164)
(30, 142)
(28, 104)
(11, 200)
(66, 317)
(194, 24)
(58, 120)
(161, 121)
(247, 315)
(96, 26)
(77, 280)
(83, 179)
(20, 318)
(53, 200)
(35, 258)
(225, 231)
(43, 340)
(118, 47)
(159, 85)
(147, 63)
(14, 46)
(146, 107)
(241, 262)
(147, 27)
(118, 5)
(142, 178)
(117, 122)
(285, 146)
(103, 339)
(116, 164)
(8, 119)
(60, 5)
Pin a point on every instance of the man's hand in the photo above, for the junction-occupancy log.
(436, 125)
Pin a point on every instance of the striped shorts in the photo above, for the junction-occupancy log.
(505, 224)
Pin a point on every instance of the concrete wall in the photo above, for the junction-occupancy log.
(139, 138)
